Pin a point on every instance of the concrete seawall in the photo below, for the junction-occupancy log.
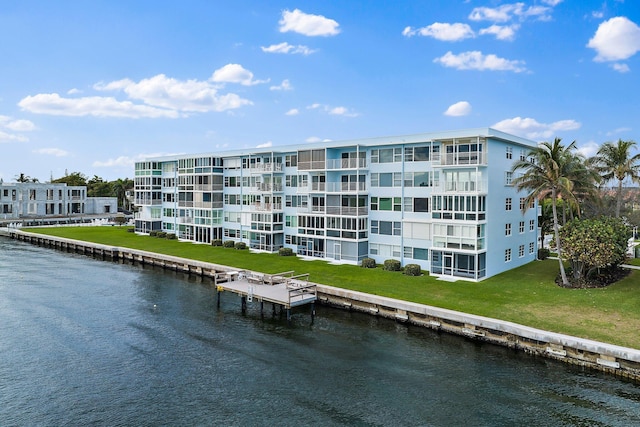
(616, 360)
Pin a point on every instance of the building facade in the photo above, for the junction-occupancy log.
(443, 201)
(20, 200)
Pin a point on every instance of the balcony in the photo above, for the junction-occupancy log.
(266, 168)
(314, 165)
(266, 207)
(335, 164)
(347, 211)
(461, 187)
(208, 187)
(265, 187)
(345, 187)
(468, 158)
(311, 209)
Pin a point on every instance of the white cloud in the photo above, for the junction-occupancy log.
(313, 139)
(235, 73)
(292, 112)
(533, 129)
(265, 145)
(506, 12)
(502, 32)
(461, 108)
(597, 14)
(73, 91)
(285, 85)
(621, 68)
(20, 125)
(335, 111)
(552, 3)
(54, 104)
(615, 39)
(127, 161)
(160, 96)
(442, 31)
(307, 24)
(285, 47)
(619, 130)
(56, 152)
(476, 60)
(589, 149)
(7, 137)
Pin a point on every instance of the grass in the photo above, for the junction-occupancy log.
(526, 295)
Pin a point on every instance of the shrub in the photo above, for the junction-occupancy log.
(229, 244)
(216, 242)
(412, 270)
(161, 234)
(131, 230)
(240, 245)
(153, 233)
(285, 252)
(171, 236)
(543, 253)
(392, 265)
(368, 263)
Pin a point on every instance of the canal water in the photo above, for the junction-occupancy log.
(88, 342)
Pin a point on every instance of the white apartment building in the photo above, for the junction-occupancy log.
(441, 200)
(20, 200)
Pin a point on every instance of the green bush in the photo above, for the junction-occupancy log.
(543, 253)
(171, 236)
(229, 244)
(412, 270)
(368, 263)
(216, 242)
(131, 230)
(285, 252)
(153, 233)
(161, 234)
(240, 245)
(392, 265)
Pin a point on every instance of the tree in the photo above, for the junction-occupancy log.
(25, 178)
(614, 161)
(120, 188)
(97, 187)
(548, 172)
(594, 244)
(74, 179)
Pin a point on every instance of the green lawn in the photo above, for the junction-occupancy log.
(526, 295)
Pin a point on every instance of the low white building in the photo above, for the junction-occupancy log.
(20, 200)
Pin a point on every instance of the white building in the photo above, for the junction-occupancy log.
(440, 200)
(38, 200)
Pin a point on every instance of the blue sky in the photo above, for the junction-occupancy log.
(93, 86)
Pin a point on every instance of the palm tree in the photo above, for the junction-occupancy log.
(549, 173)
(614, 161)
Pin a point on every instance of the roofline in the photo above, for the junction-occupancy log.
(364, 142)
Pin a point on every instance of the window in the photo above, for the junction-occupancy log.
(523, 155)
(507, 229)
(522, 203)
(387, 228)
(521, 251)
(421, 204)
(531, 247)
(508, 177)
(291, 160)
(532, 225)
(386, 204)
(387, 155)
(416, 253)
(507, 255)
(507, 203)
(509, 153)
(521, 227)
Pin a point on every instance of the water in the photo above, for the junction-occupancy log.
(87, 342)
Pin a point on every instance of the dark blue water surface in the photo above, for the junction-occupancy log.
(88, 342)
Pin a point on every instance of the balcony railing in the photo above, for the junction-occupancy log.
(262, 187)
(346, 164)
(208, 187)
(266, 207)
(345, 187)
(314, 165)
(346, 210)
(461, 187)
(266, 167)
(462, 159)
(311, 209)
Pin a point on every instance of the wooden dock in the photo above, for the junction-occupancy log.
(283, 289)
